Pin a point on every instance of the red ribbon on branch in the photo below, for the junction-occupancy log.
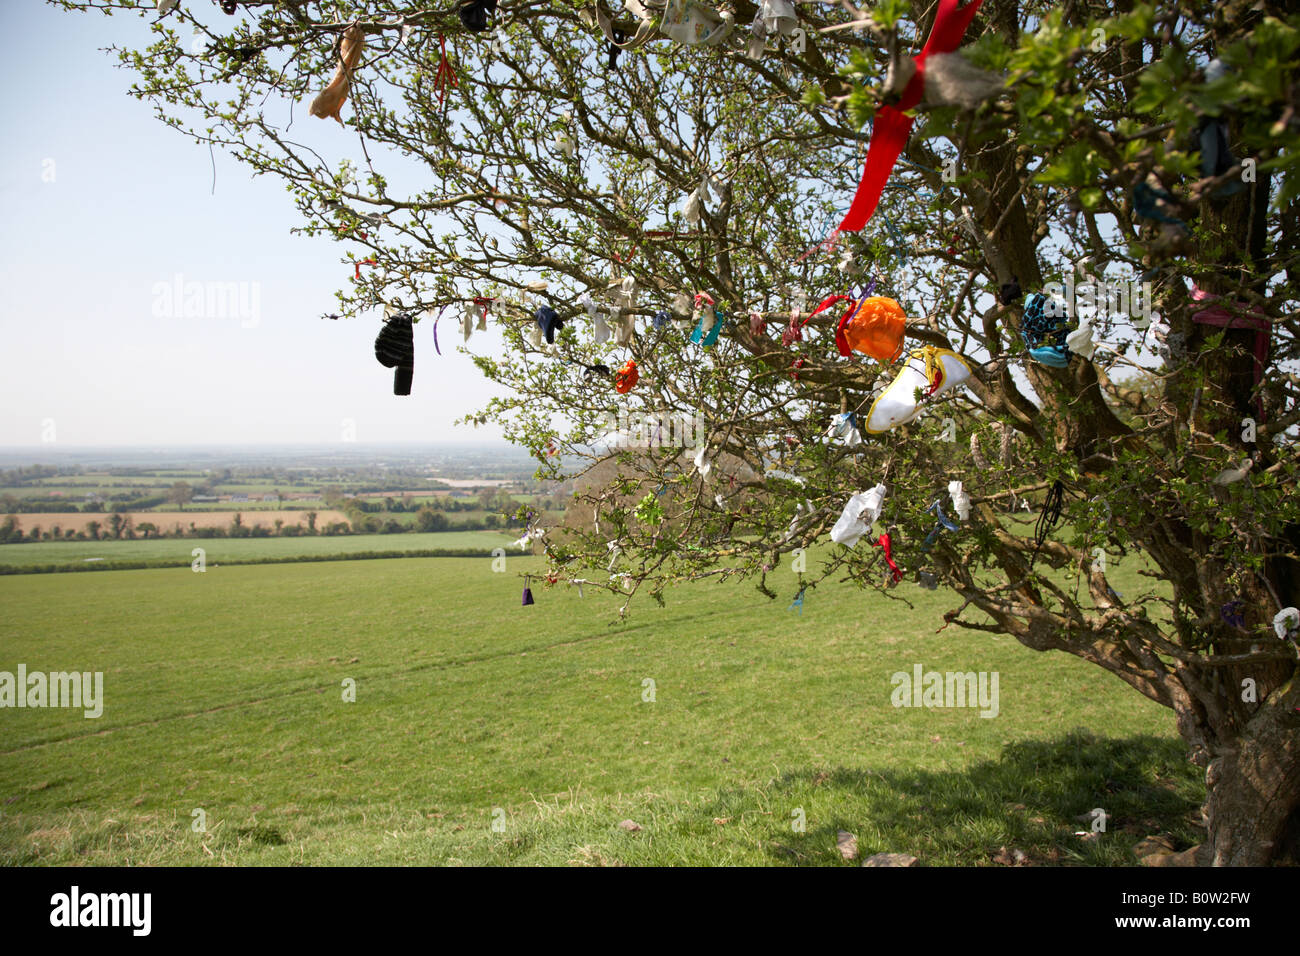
(446, 75)
(883, 542)
(892, 126)
(826, 245)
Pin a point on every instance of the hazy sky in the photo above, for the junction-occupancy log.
(102, 204)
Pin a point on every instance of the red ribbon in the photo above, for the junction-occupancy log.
(826, 245)
(485, 302)
(446, 75)
(841, 343)
(363, 262)
(892, 126)
(795, 332)
(883, 542)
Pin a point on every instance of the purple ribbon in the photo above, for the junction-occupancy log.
(435, 330)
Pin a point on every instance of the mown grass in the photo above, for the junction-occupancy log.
(224, 693)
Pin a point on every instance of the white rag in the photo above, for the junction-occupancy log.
(1286, 621)
(960, 500)
(862, 511)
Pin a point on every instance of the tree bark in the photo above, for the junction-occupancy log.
(1253, 776)
(1253, 807)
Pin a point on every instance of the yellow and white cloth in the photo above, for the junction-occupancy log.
(929, 373)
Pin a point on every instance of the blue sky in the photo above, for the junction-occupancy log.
(103, 206)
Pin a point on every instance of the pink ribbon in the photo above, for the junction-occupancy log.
(1245, 318)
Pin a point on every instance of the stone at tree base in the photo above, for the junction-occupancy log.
(631, 826)
(1198, 855)
(890, 859)
(1160, 843)
(847, 844)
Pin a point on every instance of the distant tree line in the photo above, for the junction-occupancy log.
(118, 525)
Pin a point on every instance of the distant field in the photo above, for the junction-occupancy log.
(229, 549)
(76, 487)
(463, 517)
(244, 506)
(94, 480)
(168, 520)
(731, 730)
(221, 514)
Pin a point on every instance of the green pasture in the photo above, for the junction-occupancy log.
(243, 549)
(486, 732)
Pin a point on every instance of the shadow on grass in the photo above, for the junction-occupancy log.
(1036, 798)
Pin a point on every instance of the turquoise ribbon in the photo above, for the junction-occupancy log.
(710, 340)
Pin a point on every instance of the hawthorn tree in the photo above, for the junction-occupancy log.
(501, 171)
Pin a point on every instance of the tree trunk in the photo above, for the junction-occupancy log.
(1253, 775)
(1253, 807)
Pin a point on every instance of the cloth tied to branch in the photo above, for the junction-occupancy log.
(1042, 327)
(874, 326)
(960, 500)
(709, 324)
(774, 18)
(892, 126)
(694, 23)
(329, 101)
(884, 544)
(395, 349)
(862, 511)
(931, 371)
(446, 75)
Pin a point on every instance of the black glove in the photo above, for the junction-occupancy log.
(474, 14)
(395, 347)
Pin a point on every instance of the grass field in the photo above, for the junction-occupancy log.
(243, 549)
(486, 732)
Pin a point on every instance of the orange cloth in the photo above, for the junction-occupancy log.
(875, 328)
(626, 377)
(330, 100)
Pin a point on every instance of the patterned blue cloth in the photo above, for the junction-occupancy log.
(1043, 329)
